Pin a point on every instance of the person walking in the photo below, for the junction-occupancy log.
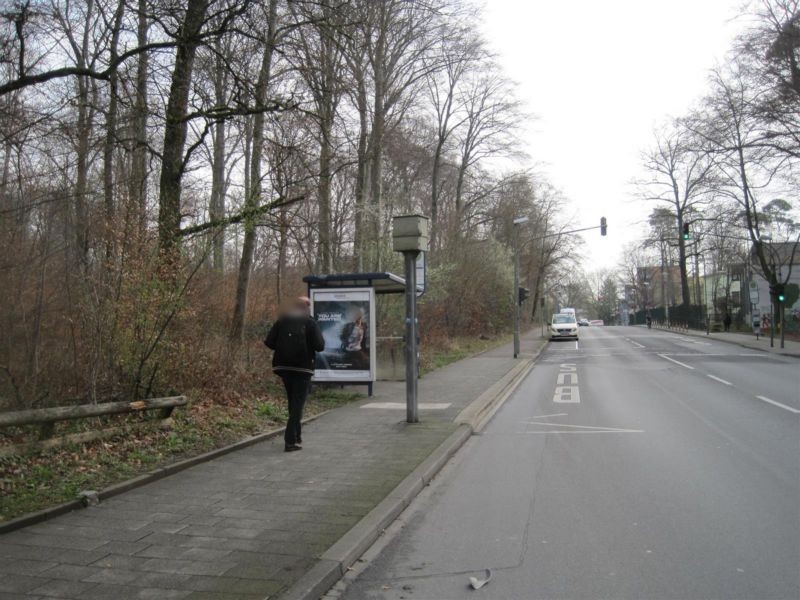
(295, 338)
(726, 321)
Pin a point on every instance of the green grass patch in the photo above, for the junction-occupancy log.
(439, 354)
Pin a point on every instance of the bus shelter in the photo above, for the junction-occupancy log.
(344, 305)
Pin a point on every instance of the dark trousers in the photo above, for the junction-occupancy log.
(296, 385)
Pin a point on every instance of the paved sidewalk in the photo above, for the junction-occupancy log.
(746, 340)
(250, 523)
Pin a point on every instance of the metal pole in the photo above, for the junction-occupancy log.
(412, 413)
(772, 324)
(515, 299)
(780, 308)
(542, 303)
(542, 308)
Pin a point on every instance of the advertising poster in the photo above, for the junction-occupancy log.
(346, 317)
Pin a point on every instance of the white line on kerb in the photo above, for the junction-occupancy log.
(778, 404)
(715, 378)
(677, 362)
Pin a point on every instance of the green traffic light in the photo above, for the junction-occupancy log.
(781, 297)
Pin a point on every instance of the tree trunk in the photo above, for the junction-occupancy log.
(362, 176)
(376, 160)
(176, 126)
(217, 201)
(437, 160)
(5, 196)
(282, 240)
(110, 141)
(324, 194)
(462, 173)
(138, 182)
(83, 132)
(253, 195)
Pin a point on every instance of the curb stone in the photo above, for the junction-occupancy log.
(143, 479)
(338, 559)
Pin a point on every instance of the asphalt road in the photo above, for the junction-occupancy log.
(665, 466)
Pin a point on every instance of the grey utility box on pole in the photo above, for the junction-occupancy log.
(411, 235)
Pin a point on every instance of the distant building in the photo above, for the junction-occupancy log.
(658, 286)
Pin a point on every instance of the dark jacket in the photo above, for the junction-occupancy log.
(304, 362)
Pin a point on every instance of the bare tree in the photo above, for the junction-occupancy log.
(679, 176)
(491, 119)
(253, 193)
(458, 52)
(321, 64)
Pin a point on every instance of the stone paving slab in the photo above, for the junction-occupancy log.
(250, 523)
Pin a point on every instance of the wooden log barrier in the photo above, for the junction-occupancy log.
(64, 413)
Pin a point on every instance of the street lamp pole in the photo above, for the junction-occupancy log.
(515, 299)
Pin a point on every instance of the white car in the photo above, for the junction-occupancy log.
(563, 325)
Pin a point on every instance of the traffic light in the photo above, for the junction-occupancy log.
(685, 231)
(522, 294)
(778, 293)
(603, 226)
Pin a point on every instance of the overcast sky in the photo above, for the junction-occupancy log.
(600, 76)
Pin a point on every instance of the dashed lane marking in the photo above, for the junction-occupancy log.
(677, 362)
(778, 404)
(715, 378)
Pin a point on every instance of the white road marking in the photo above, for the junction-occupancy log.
(637, 344)
(715, 378)
(548, 416)
(598, 431)
(576, 345)
(690, 340)
(567, 394)
(778, 404)
(677, 362)
(588, 430)
(589, 427)
(402, 406)
(562, 379)
(703, 354)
